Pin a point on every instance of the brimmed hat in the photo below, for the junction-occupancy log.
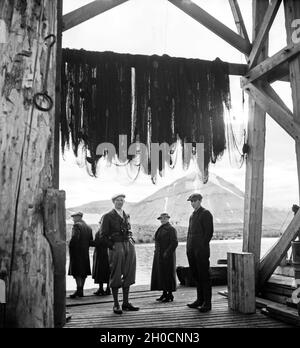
(163, 215)
(77, 214)
(117, 196)
(195, 197)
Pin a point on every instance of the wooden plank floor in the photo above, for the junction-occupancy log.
(96, 312)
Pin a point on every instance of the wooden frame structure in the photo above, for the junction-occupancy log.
(35, 183)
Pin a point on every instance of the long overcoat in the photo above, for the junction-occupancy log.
(200, 233)
(163, 275)
(81, 240)
(101, 270)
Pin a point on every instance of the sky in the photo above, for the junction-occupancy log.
(157, 27)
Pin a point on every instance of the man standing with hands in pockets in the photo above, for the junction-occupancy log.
(199, 235)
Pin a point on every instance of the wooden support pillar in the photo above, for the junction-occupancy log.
(58, 95)
(241, 282)
(26, 159)
(55, 232)
(254, 187)
(292, 12)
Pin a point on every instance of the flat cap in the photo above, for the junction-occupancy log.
(195, 197)
(163, 215)
(117, 196)
(77, 214)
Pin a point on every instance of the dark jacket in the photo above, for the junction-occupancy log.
(200, 231)
(164, 262)
(101, 269)
(81, 240)
(114, 228)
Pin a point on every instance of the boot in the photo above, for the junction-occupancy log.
(80, 292)
(199, 301)
(74, 295)
(162, 297)
(168, 298)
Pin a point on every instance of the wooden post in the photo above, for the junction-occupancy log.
(26, 159)
(58, 95)
(55, 232)
(292, 12)
(241, 282)
(253, 208)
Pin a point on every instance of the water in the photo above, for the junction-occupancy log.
(144, 253)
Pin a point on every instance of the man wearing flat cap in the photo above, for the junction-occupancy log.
(81, 240)
(200, 232)
(115, 232)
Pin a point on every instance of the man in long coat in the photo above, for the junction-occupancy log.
(163, 275)
(81, 240)
(200, 232)
(100, 272)
(115, 232)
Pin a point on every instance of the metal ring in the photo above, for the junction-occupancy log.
(46, 98)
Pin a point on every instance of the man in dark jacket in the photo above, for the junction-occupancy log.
(81, 240)
(199, 235)
(115, 232)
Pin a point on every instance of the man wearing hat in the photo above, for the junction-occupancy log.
(200, 232)
(81, 240)
(163, 276)
(115, 232)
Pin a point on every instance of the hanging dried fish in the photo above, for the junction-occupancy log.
(164, 100)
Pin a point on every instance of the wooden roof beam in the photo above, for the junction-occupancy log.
(271, 63)
(204, 18)
(272, 104)
(263, 32)
(238, 18)
(270, 262)
(88, 11)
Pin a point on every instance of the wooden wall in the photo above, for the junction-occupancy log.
(26, 160)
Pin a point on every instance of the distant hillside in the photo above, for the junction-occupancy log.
(223, 199)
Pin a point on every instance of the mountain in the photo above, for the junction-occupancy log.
(223, 199)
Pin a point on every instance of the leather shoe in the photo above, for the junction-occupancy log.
(117, 310)
(195, 304)
(205, 308)
(129, 307)
(74, 295)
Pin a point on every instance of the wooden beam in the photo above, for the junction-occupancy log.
(56, 133)
(55, 233)
(292, 12)
(270, 64)
(254, 186)
(263, 32)
(269, 90)
(238, 18)
(237, 69)
(281, 73)
(26, 160)
(88, 11)
(270, 262)
(213, 24)
(276, 109)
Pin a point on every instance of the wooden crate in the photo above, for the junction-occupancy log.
(241, 282)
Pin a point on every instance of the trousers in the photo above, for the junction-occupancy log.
(199, 266)
(122, 259)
